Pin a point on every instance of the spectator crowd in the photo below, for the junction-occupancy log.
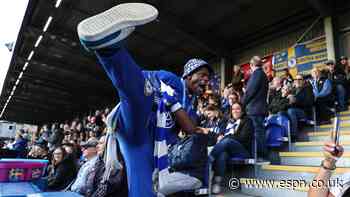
(231, 121)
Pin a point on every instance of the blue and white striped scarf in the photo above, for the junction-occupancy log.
(162, 132)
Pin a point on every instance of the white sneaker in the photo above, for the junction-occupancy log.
(114, 25)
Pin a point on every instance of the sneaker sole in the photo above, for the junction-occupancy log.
(124, 16)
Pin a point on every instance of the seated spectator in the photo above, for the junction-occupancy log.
(66, 126)
(280, 103)
(214, 99)
(44, 133)
(92, 135)
(82, 137)
(233, 97)
(287, 78)
(214, 120)
(56, 138)
(344, 64)
(39, 151)
(274, 89)
(338, 78)
(322, 89)
(225, 106)
(81, 184)
(301, 101)
(237, 78)
(62, 170)
(73, 152)
(116, 184)
(234, 142)
(20, 145)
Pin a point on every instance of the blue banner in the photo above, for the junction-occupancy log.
(309, 55)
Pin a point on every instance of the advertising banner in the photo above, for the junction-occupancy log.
(311, 54)
(301, 58)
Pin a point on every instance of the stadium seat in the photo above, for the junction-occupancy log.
(277, 131)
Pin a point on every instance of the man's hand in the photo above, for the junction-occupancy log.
(220, 137)
(331, 156)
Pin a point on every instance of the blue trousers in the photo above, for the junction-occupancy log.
(295, 115)
(223, 151)
(134, 133)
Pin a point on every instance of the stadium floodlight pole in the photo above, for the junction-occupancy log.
(47, 24)
(38, 41)
(58, 3)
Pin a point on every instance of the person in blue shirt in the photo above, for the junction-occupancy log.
(20, 145)
(136, 117)
(322, 89)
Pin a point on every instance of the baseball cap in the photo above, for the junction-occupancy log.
(89, 143)
(343, 58)
(328, 62)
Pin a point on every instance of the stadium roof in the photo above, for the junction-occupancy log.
(61, 80)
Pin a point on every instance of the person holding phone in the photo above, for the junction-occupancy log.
(332, 152)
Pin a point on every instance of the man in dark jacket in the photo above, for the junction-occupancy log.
(300, 101)
(338, 78)
(254, 101)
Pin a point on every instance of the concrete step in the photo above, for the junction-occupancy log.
(328, 127)
(331, 126)
(263, 187)
(343, 118)
(308, 129)
(310, 158)
(326, 136)
(233, 194)
(344, 113)
(315, 146)
(290, 172)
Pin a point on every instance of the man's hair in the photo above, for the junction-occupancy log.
(212, 108)
(256, 61)
(316, 69)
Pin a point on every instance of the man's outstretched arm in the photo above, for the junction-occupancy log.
(325, 171)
